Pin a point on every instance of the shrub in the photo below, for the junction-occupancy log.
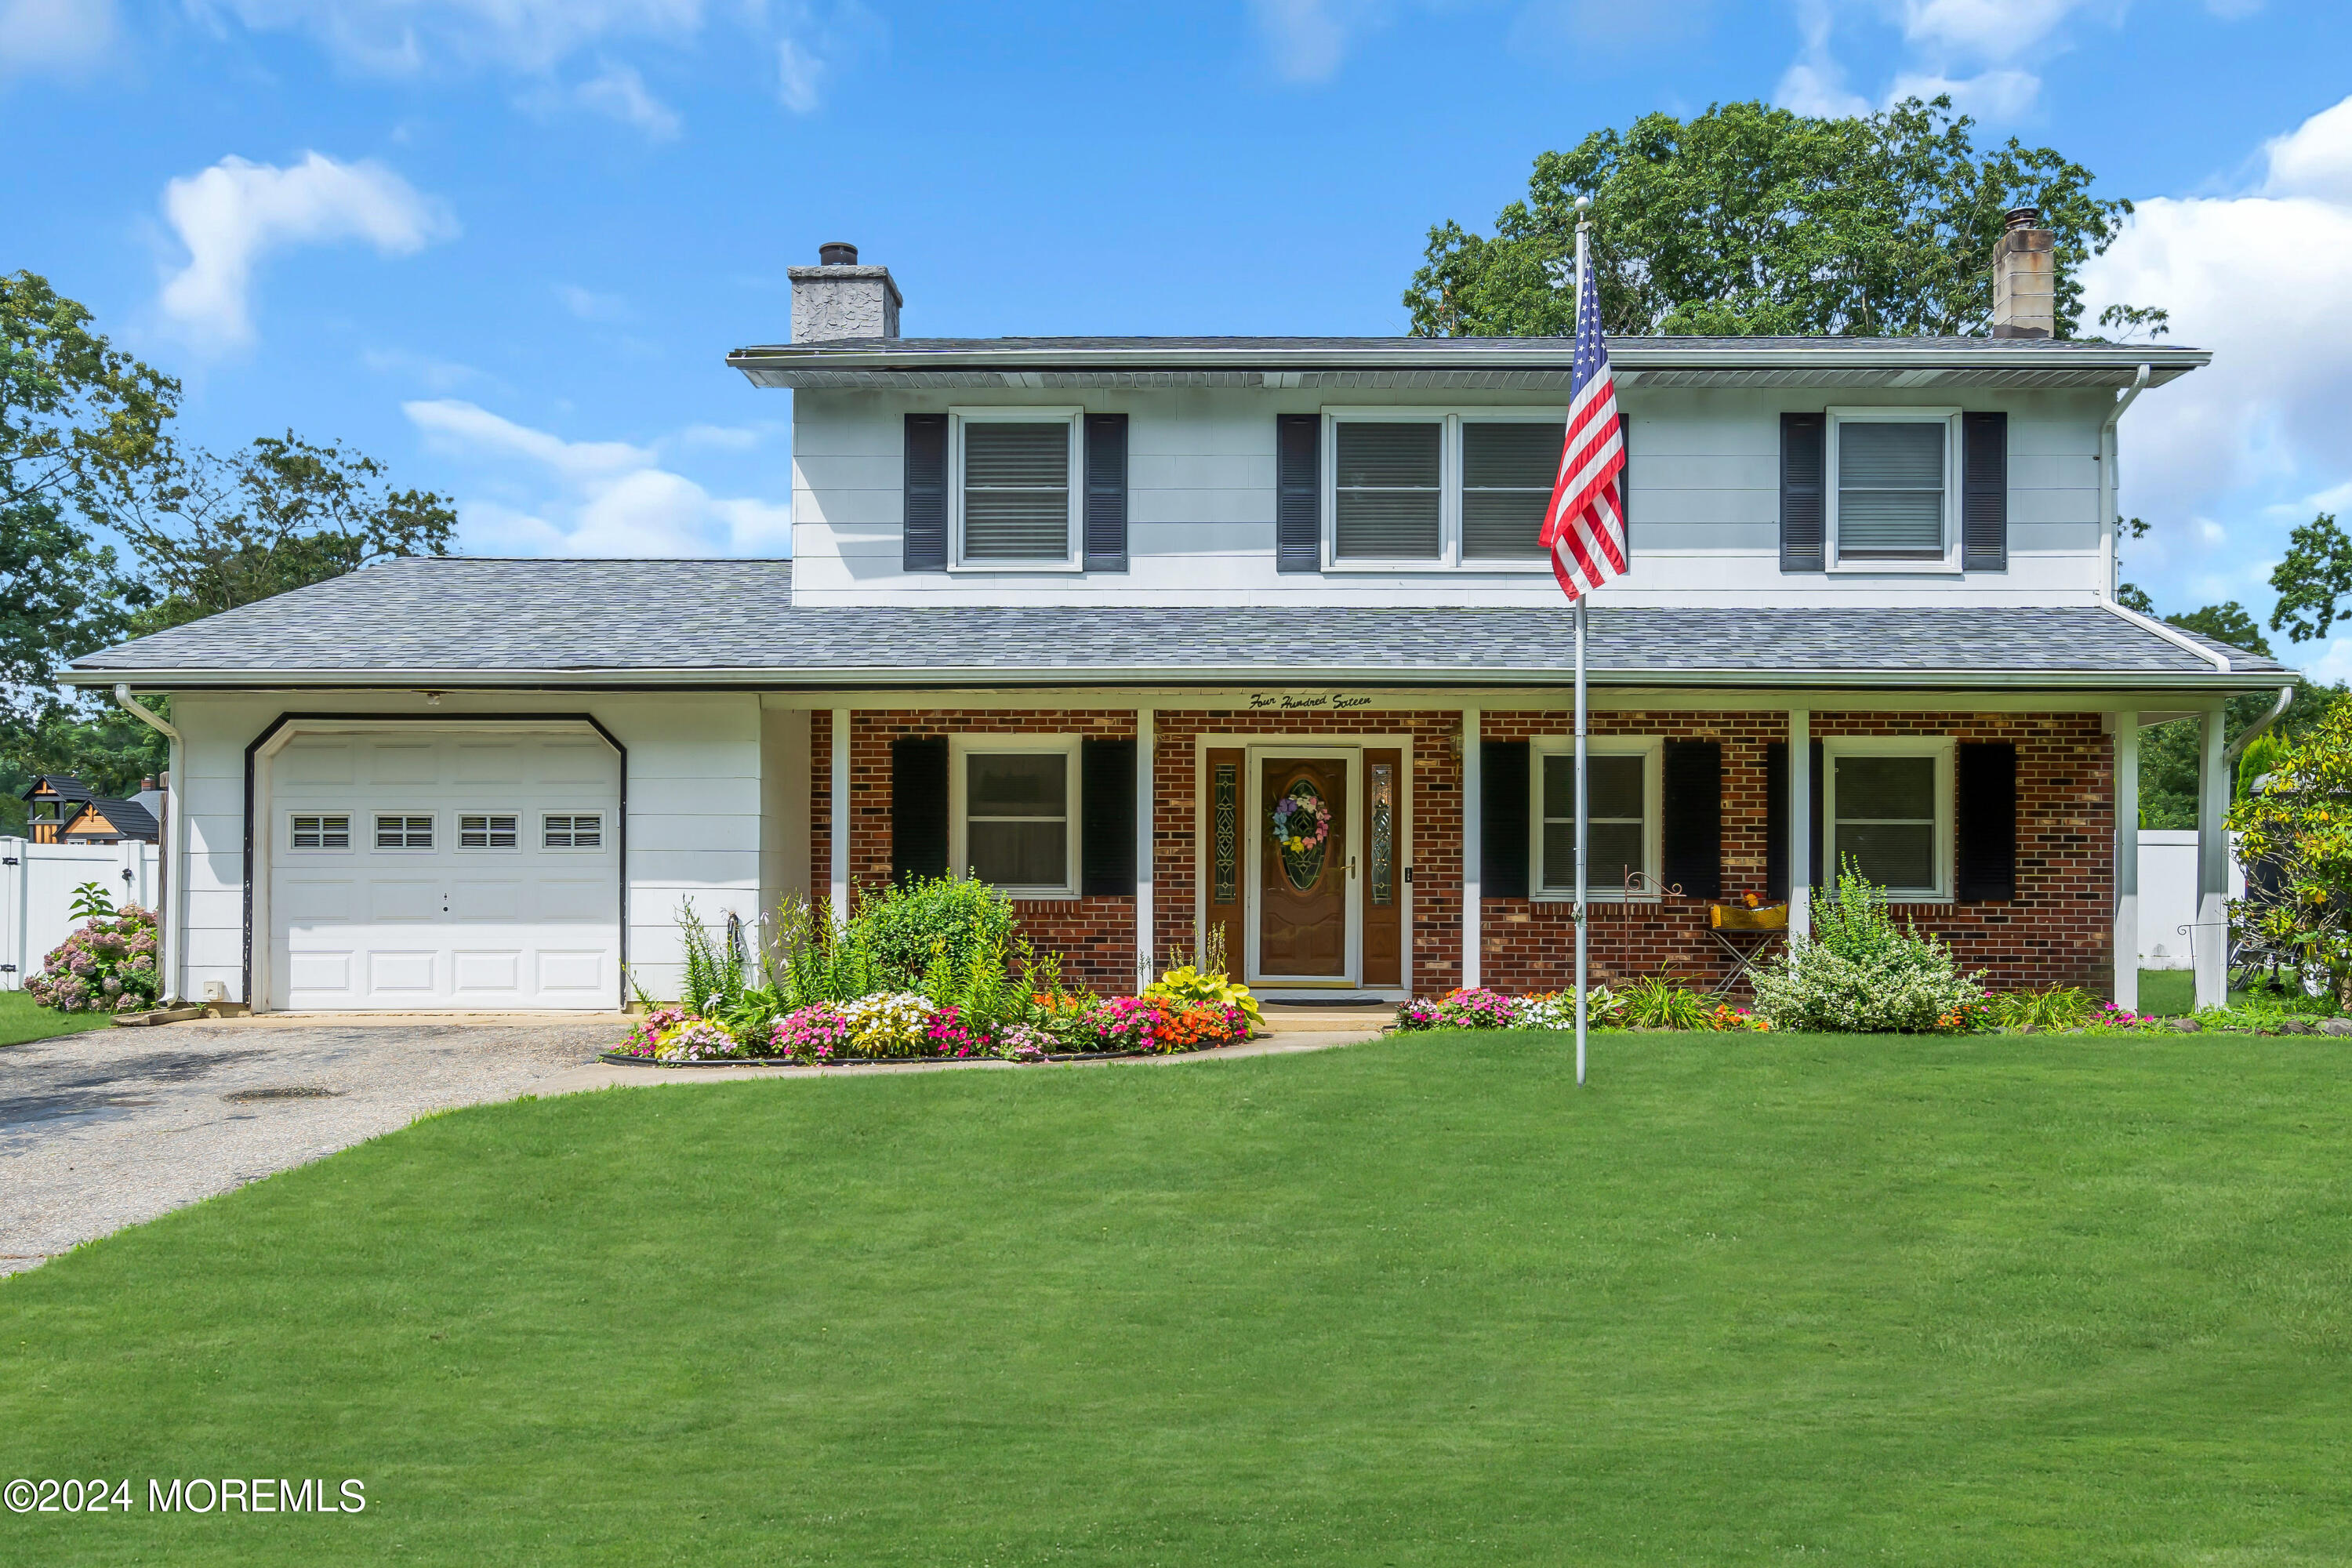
(1185, 986)
(902, 928)
(891, 1024)
(107, 966)
(1859, 974)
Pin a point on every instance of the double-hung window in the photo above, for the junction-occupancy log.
(1420, 489)
(1622, 806)
(1893, 496)
(1012, 813)
(1887, 810)
(1016, 502)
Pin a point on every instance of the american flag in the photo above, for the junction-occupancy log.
(1584, 528)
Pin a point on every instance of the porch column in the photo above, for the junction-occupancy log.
(2126, 938)
(1473, 835)
(2210, 942)
(1147, 966)
(838, 860)
(1801, 821)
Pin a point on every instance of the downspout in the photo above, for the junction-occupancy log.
(2278, 711)
(175, 819)
(2110, 525)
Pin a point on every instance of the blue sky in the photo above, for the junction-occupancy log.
(503, 244)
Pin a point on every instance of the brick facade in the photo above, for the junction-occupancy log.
(2057, 930)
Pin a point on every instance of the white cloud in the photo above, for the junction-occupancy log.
(589, 305)
(65, 35)
(231, 215)
(1814, 83)
(1978, 51)
(610, 498)
(798, 73)
(2262, 437)
(1988, 95)
(619, 93)
(398, 38)
(1307, 40)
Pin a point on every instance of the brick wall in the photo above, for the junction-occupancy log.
(2056, 931)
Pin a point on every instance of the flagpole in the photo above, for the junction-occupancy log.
(1583, 228)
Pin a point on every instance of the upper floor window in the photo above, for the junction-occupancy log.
(1893, 499)
(1421, 487)
(1016, 505)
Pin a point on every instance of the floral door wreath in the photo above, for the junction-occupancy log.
(1301, 825)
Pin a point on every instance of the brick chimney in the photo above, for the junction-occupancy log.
(2025, 278)
(839, 299)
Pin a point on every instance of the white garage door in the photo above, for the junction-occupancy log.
(438, 868)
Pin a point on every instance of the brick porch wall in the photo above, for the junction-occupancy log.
(2057, 931)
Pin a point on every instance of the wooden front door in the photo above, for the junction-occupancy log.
(1303, 867)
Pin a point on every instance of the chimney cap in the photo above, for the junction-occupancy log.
(2016, 217)
(836, 253)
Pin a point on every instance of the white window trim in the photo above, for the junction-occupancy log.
(439, 841)
(961, 747)
(1071, 560)
(1449, 556)
(603, 832)
(351, 821)
(1942, 748)
(1947, 564)
(1651, 749)
(459, 844)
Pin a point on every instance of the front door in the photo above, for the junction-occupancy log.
(1303, 869)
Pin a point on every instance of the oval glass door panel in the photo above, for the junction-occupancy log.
(1301, 824)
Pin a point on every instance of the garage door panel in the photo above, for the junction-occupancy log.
(534, 922)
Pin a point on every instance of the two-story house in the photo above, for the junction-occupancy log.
(1083, 615)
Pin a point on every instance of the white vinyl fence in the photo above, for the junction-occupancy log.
(37, 890)
(2168, 895)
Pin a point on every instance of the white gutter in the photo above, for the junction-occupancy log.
(2278, 711)
(862, 678)
(2110, 449)
(175, 816)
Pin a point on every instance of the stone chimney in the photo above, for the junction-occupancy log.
(839, 299)
(2025, 278)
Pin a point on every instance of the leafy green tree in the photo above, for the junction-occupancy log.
(2312, 580)
(2297, 835)
(283, 513)
(82, 427)
(1749, 219)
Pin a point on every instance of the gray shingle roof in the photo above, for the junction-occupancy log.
(458, 620)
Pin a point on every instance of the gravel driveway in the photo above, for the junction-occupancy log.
(111, 1128)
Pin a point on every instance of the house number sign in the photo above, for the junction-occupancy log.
(1292, 701)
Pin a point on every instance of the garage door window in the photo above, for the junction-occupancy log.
(577, 830)
(403, 833)
(321, 832)
(486, 831)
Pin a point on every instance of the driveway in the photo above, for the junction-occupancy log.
(106, 1128)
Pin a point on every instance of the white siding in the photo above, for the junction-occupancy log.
(694, 810)
(1201, 474)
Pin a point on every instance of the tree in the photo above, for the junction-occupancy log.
(1749, 219)
(283, 513)
(82, 427)
(2297, 838)
(2311, 579)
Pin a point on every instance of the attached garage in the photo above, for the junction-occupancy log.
(414, 865)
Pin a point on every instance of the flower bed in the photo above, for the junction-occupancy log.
(1652, 1005)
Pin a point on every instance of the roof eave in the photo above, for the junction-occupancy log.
(1827, 353)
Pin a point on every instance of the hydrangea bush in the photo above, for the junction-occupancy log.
(107, 966)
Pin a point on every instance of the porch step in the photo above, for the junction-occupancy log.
(1291, 1017)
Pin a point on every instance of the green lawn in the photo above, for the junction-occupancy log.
(21, 1021)
(2044, 1299)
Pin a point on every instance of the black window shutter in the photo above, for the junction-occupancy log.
(1106, 818)
(1776, 819)
(1691, 834)
(1503, 818)
(926, 546)
(918, 807)
(1297, 493)
(1803, 456)
(1106, 492)
(1987, 823)
(1984, 492)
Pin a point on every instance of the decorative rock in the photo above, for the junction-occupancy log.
(2297, 1027)
(2338, 1027)
(2184, 1026)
